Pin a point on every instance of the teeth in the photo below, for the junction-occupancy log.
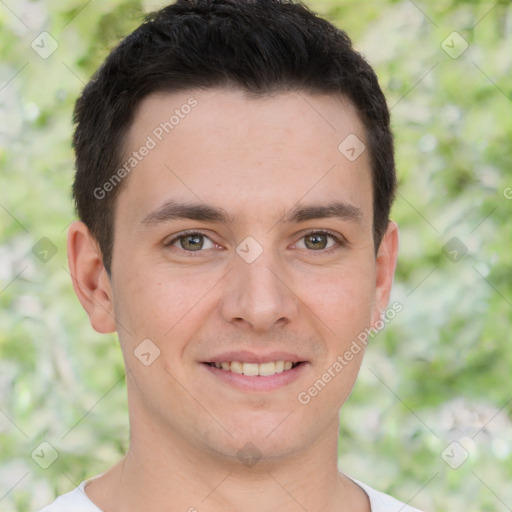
(253, 369)
(250, 369)
(266, 368)
(236, 367)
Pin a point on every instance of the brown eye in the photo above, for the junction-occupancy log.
(322, 242)
(191, 242)
(316, 241)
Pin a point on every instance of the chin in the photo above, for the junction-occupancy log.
(257, 452)
(258, 443)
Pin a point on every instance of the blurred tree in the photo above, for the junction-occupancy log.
(432, 408)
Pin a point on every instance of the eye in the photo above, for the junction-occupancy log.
(319, 241)
(194, 241)
(191, 242)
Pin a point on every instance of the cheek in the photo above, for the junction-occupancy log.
(342, 300)
(139, 305)
(157, 305)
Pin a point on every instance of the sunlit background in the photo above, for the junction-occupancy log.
(430, 418)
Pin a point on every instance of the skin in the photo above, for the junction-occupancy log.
(257, 158)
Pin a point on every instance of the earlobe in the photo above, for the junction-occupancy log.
(385, 269)
(90, 279)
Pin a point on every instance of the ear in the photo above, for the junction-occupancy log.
(385, 270)
(90, 279)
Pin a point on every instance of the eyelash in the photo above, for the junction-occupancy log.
(340, 242)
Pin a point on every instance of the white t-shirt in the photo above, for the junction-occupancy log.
(77, 501)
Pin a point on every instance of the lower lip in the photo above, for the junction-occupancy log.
(257, 382)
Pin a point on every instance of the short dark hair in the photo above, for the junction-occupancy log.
(260, 46)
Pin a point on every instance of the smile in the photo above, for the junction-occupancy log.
(256, 377)
(255, 369)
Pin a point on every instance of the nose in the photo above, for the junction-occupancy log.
(258, 296)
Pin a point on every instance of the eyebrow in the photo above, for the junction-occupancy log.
(173, 210)
(340, 210)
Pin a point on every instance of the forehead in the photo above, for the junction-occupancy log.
(241, 153)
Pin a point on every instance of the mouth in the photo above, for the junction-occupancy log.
(255, 369)
(259, 377)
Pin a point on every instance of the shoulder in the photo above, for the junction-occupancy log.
(74, 501)
(381, 502)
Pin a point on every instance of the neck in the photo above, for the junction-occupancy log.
(162, 471)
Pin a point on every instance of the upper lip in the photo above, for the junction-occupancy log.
(245, 356)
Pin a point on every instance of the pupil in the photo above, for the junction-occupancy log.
(193, 242)
(319, 240)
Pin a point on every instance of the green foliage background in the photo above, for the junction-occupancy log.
(440, 372)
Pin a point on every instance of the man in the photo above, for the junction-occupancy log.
(234, 177)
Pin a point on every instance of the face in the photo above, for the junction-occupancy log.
(243, 238)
